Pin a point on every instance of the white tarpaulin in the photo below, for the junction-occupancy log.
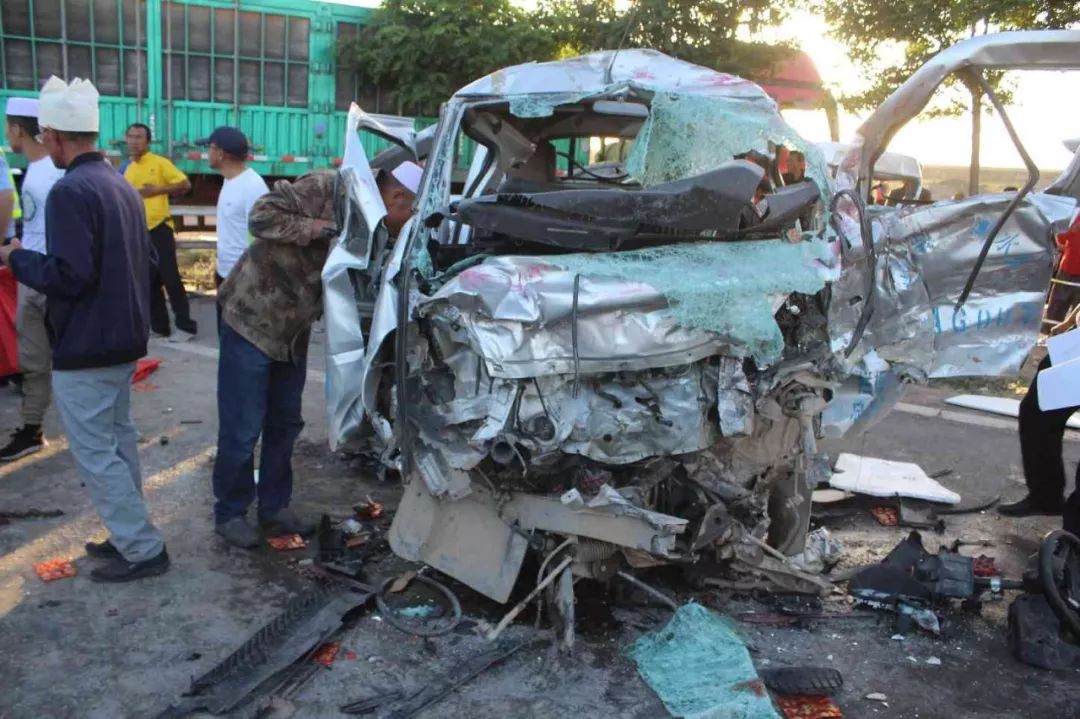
(885, 478)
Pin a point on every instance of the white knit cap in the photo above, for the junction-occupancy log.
(21, 107)
(72, 108)
(408, 174)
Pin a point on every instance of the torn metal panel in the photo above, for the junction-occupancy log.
(734, 402)
(521, 304)
(925, 255)
(361, 211)
(466, 539)
(616, 523)
(549, 84)
(440, 478)
(866, 396)
(398, 130)
(526, 332)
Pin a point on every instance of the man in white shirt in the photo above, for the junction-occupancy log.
(35, 355)
(227, 153)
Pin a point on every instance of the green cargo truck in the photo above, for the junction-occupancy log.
(184, 67)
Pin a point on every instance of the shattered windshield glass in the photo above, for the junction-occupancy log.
(686, 135)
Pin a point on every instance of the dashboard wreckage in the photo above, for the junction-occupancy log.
(631, 363)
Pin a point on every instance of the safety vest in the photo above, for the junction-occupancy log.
(16, 210)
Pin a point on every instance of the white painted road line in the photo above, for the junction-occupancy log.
(977, 420)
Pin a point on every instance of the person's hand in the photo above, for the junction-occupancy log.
(1066, 324)
(149, 190)
(6, 250)
(321, 228)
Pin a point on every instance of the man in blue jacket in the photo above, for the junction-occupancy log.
(96, 281)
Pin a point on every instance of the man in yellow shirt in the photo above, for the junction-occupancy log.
(156, 178)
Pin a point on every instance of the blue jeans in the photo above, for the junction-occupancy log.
(256, 396)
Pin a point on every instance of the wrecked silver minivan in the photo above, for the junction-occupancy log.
(632, 362)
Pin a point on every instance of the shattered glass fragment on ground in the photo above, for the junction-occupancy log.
(700, 668)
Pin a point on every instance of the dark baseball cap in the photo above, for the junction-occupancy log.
(229, 139)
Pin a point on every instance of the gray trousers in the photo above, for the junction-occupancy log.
(35, 355)
(95, 409)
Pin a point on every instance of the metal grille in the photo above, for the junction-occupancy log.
(263, 61)
(103, 40)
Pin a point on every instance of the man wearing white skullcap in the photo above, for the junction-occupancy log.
(35, 356)
(268, 303)
(96, 280)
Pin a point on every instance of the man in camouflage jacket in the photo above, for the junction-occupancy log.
(268, 304)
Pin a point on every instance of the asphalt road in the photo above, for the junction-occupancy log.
(76, 649)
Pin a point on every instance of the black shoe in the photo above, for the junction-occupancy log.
(238, 533)
(285, 521)
(1028, 507)
(121, 570)
(24, 441)
(102, 550)
(191, 327)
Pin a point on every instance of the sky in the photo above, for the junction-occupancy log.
(1043, 111)
(1041, 117)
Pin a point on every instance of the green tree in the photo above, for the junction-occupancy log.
(427, 49)
(873, 29)
(706, 32)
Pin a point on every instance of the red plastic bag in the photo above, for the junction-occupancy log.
(144, 368)
(9, 350)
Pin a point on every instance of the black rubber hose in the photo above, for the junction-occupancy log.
(395, 619)
(1059, 538)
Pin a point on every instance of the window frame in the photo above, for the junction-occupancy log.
(121, 47)
(183, 55)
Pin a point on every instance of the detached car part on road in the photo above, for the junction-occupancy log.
(631, 363)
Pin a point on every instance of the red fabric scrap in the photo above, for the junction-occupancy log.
(798, 706)
(54, 569)
(886, 516)
(985, 567)
(144, 368)
(286, 542)
(369, 509)
(326, 654)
